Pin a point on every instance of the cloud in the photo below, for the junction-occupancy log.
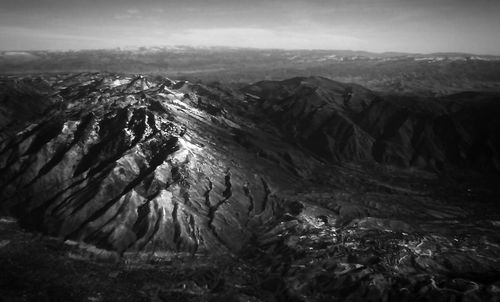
(133, 11)
(122, 17)
(41, 33)
(263, 38)
(16, 37)
(130, 13)
(158, 10)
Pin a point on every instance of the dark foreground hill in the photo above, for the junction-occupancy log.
(310, 189)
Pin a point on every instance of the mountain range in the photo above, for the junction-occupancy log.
(325, 190)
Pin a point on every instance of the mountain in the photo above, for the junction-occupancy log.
(346, 122)
(129, 165)
(309, 189)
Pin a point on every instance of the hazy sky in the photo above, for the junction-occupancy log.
(373, 25)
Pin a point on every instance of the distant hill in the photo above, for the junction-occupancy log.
(429, 74)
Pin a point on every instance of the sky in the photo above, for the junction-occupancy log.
(417, 26)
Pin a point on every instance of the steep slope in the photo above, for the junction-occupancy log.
(458, 131)
(318, 113)
(23, 100)
(345, 122)
(129, 165)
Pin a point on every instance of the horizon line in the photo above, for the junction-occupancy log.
(134, 47)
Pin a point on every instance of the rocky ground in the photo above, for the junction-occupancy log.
(131, 188)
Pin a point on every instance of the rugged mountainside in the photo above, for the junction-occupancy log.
(129, 165)
(324, 190)
(346, 122)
